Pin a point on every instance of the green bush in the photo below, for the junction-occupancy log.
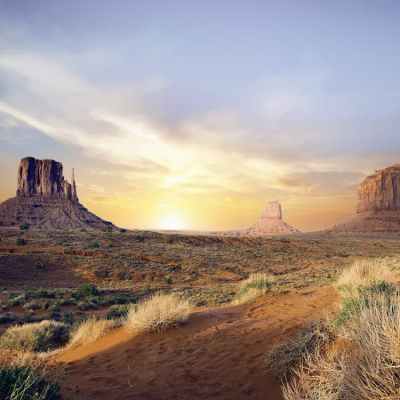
(352, 306)
(38, 336)
(21, 242)
(86, 290)
(94, 245)
(118, 311)
(24, 227)
(24, 383)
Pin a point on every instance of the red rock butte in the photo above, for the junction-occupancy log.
(45, 199)
(378, 208)
(271, 222)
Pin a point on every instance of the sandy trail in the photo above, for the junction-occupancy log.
(219, 354)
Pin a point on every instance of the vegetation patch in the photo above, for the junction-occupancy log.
(254, 286)
(368, 365)
(25, 383)
(158, 313)
(39, 337)
(90, 330)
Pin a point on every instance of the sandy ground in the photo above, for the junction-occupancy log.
(218, 354)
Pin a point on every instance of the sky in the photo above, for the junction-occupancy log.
(193, 114)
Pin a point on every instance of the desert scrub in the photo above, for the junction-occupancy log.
(25, 383)
(367, 364)
(254, 286)
(90, 330)
(364, 273)
(86, 290)
(159, 312)
(283, 358)
(368, 367)
(365, 296)
(39, 337)
(118, 311)
(27, 377)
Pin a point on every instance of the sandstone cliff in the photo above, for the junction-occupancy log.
(44, 178)
(378, 208)
(45, 199)
(380, 191)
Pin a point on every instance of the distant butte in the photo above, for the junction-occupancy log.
(45, 199)
(378, 208)
(269, 224)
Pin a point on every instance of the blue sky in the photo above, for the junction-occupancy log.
(187, 107)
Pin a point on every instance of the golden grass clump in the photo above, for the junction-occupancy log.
(27, 376)
(362, 274)
(368, 365)
(159, 312)
(90, 330)
(373, 371)
(39, 336)
(254, 286)
(283, 357)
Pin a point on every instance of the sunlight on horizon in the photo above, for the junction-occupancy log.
(172, 222)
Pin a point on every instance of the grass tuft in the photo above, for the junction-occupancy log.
(254, 286)
(157, 313)
(90, 330)
(38, 337)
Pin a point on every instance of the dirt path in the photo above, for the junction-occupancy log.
(219, 354)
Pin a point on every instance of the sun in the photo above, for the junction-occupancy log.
(172, 222)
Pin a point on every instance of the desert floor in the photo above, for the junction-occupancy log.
(220, 352)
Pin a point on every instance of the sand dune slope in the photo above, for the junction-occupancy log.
(219, 354)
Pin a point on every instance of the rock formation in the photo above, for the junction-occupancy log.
(271, 222)
(45, 199)
(380, 191)
(378, 208)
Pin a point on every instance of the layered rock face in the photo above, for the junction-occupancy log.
(45, 199)
(44, 178)
(378, 209)
(380, 191)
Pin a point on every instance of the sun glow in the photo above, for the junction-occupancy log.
(172, 222)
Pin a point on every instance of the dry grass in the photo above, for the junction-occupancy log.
(159, 312)
(319, 377)
(368, 368)
(91, 330)
(40, 336)
(374, 369)
(364, 273)
(254, 286)
(282, 358)
(26, 376)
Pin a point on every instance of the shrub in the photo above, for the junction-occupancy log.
(364, 273)
(39, 336)
(24, 227)
(281, 359)
(26, 383)
(254, 286)
(367, 364)
(21, 242)
(159, 312)
(33, 305)
(364, 297)
(94, 245)
(90, 330)
(118, 311)
(86, 290)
